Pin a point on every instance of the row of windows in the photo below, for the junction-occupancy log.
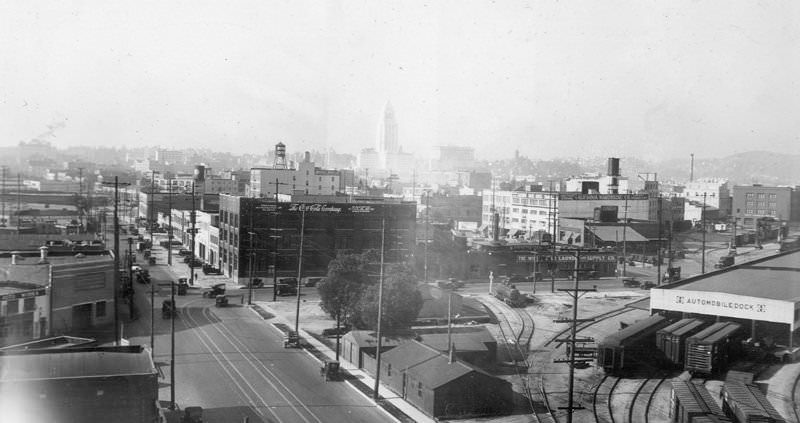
(762, 212)
(28, 305)
(761, 204)
(760, 196)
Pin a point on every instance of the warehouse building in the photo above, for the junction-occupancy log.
(763, 295)
(328, 229)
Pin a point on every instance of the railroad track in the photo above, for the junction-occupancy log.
(796, 398)
(517, 343)
(583, 325)
(616, 400)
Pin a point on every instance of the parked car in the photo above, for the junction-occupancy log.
(631, 283)
(648, 284)
(312, 281)
(185, 252)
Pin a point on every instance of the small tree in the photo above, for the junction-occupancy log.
(401, 300)
(344, 285)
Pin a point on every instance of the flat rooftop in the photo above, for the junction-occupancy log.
(776, 278)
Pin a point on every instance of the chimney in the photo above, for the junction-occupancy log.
(43, 254)
(14, 259)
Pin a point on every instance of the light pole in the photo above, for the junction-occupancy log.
(172, 347)
(169, 230)
(116, 185)
(703, 220)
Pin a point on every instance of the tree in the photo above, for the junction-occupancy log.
(344, 285)
(401, 301)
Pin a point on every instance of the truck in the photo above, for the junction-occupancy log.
(724, 261)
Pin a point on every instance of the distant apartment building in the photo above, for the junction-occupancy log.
(522, 211)
(305, 179)
(751, 202)
(452, 158)
(714, 191)
(170, 156)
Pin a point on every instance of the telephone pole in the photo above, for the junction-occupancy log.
(193, 220)
(300, 271)
(152, 211)
(375, 394)
(703, 220)
(169, 230)
(576, 292)
(3, 199)
(275, 238)
(658, 253)
(117, 277)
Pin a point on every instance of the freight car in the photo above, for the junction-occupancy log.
(674, 341)
(662, 333)
(790, 244)
(510, 295)
(710, 350)
(746, 403)
(691, 402)
(620, 352)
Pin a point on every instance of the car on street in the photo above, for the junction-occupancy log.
(631, 283)
(312, 281)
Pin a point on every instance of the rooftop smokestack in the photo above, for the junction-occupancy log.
(43, 254)
(691, 169)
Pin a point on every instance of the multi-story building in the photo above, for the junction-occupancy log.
(751, 202)
(715, 192)
(452, 158)
(305, 179)
(170, 156)
(60, 292)
(522, 211)
(329, 228)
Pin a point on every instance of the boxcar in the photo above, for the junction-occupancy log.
(746, 403)
(510, 295)
(661, 334)
(675, 342)
(710, 350)
(621, 351)
(691, 402)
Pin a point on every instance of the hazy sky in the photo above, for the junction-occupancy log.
(550, 78)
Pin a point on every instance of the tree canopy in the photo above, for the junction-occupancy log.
(401, 300)
(344, 285)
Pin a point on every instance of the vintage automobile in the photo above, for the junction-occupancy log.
(291, 340)
(218, 289)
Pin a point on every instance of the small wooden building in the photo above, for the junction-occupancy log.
(442, 386)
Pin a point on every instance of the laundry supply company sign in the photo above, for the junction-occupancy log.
(723, 304)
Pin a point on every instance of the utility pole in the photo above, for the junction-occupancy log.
(576, 292)
(658, 253)
(130, 277)
(275, 237)
(3, 195)
(553, 263)
(117, 277)
(169, 230)
(193, 220)
(427, 224)
(172, 340)
(80, 198)
(152, 204)
(19, 201)
(375, 394)
(624, 239)
(251, 232)
(299, 270)
(703, 220)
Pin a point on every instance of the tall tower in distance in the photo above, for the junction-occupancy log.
(387, 131)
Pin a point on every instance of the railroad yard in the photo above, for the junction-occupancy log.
(527, 347)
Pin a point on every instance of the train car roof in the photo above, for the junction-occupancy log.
(726, 331)
(709, 331)
(694, 324)
(677, 325)
(694, 397)
(751, 400)
(636, 327)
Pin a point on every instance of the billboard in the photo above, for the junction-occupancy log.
(723, 304)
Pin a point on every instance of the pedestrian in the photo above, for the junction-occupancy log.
(197, 278)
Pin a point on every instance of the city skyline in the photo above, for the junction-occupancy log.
(651, 80)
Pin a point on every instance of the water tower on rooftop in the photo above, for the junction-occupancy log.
(280, 156)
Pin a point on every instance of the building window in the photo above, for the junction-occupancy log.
(100, 309)
(419, 389)
(748, 211)
(761, 195)
(29, 304)
(12, 307)
(773, 197)
(750, 195)
(389, 370)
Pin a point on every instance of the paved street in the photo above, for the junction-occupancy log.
(233, 364)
